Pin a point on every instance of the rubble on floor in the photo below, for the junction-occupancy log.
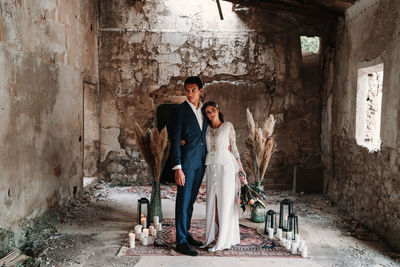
(93, 227)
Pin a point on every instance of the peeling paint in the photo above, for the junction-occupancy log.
(148, 49)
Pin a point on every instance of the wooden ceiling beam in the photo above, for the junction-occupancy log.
(292, 7)
(335, 5)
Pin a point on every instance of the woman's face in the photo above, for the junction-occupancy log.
(212, 113)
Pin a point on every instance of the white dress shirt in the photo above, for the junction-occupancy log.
(199, 116)
(197, 112)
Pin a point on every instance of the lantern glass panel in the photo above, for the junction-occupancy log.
(285, 216)
(286, 208)
(142, 209)
(270, 221)
(293, 225)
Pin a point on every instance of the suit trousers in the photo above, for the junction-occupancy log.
(185, 199)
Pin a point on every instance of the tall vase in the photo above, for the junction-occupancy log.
(155, 208)
(258, 214)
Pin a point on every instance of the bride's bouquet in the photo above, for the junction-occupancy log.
(252, 197)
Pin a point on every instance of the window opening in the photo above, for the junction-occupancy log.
(369, 106)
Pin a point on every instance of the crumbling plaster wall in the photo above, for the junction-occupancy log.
(366, 184)
(250, 59)
(47, 49)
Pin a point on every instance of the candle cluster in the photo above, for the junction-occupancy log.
(144, 235)
(295, 246)
(288, 231)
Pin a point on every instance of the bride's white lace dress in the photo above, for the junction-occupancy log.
(222, 187)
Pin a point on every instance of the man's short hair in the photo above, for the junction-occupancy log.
(194, 80)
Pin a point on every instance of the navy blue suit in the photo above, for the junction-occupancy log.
(184, 126)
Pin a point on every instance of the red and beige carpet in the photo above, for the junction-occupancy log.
(252, 244)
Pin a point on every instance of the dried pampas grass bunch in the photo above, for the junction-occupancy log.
(260, 145)
(154, 147)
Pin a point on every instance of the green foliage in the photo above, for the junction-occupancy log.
(309, 44)
(29, 262)
(118, 184)
(35, 234)
(7, 241)
(37, 231)
(249, 193)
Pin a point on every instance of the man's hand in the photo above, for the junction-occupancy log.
(179, 177)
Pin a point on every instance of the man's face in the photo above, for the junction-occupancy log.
(193, 93)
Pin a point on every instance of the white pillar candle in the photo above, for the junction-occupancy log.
(145, 241)
(279, 233)
(143, 222)
(138, 230)
(304, 252)
(141, 236)
(131, 240)
(159, 227)
(297, 237)
(302, 244)
(293, 248)
(282, 242)
(270, 233)
(288, 244)
(154, 233)
(146, 232)
(151, 229)
(289, 235)
(156, 220)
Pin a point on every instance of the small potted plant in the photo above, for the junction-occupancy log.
(260, 144)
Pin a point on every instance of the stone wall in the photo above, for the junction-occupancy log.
(47, 50)
(366, 184)
(250, 59)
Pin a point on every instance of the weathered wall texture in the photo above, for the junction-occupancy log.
(366, 184)
(250, 59)
(91, 129)
(47, 49)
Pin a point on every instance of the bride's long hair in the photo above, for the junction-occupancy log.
(215, 105)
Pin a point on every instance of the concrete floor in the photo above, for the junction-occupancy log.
(94, 232)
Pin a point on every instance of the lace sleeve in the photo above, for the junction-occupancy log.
(232, 142)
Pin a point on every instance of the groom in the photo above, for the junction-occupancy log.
(188, 124)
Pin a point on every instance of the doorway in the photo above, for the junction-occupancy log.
(91, 132)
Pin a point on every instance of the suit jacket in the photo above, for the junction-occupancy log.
(184, 126)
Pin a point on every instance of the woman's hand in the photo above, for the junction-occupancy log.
(243, 176)
(183, 142)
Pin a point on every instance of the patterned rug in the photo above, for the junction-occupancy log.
(252, 244)
(167, 192)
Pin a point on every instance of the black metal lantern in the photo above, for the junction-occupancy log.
(270, 221)
(286, 208)
(293, 225)
(143, 201)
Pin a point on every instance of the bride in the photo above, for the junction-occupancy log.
(223, 185)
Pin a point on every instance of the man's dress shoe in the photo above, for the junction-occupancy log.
(186, 249)
(193, 241)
